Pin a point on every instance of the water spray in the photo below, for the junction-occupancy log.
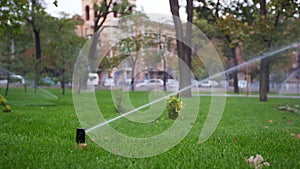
(80, 135)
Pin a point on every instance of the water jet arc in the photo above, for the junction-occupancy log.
(251, 61)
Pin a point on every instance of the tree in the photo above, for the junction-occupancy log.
(130, 47)
(107, 7)
(257, 28)
(183, 43)
(62, 48)
(101, 13)
(264, 64)
(33, 12)
(10, 31)
(228, 28)
(266, 33)
(234, 31)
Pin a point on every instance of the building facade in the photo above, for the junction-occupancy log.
(89, 15)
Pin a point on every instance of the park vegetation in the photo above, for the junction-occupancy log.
(35, 44)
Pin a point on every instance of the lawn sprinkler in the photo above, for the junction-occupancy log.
(80, 135)
(80, 138)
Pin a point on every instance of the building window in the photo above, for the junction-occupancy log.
(87, 13)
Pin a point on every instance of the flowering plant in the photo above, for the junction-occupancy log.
(174, 105)
(3, 101)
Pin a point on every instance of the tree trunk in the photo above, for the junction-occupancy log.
(164, 75)
(25, 87)
(132, 74)
(187, 48)
(38, 55)
(235, 63)
(235, 82)
(263, 80)
(162, 55)
(268, 74)
(63, 87)
(264, 65)
(235, 73)
(184, 79)
(132, 84)
(7, 85)
(189, 32)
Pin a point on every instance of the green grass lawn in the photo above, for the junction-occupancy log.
(43, 135)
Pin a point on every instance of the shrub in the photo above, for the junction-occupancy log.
(3, 101)
(174, 105)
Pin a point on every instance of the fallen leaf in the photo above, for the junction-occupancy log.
(270, 121)
(266, 127)
(266, 164)
(295, 135)
(290, 121)
(250, 159)
(258, 159)
(257, 162)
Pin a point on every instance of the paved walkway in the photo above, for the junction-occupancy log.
(252, 95)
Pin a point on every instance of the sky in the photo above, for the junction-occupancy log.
(74, 6)
(68, 6)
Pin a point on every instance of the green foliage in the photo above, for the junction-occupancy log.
(3, 101)
(174, 105)
(62, 46)
(108, 63)
(275, 29)
(37, 137)
(44, 137)
(234, 29)
(289, 108)
(103, 9)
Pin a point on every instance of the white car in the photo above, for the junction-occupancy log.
(109, 82)
(172, 83)
(151, 83)
(242, 84)
(93, 79)
(205, 84)
(124, 82)
(14, 79)
(209, 83)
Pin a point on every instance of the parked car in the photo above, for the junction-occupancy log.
(224, 83)
(48, 81)
(13, 79)
(213, 83)
(124, 82)
(4, 81)
(204, 84)
(172, 83)
(195, 83)
(109, 82)
(242, 84)
(209, 83)
(93, 79)
(151, 83)
(17, 78)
